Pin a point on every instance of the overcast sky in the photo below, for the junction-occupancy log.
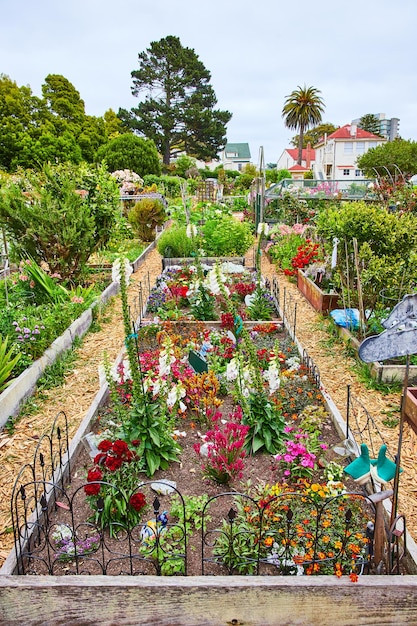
(360, 54)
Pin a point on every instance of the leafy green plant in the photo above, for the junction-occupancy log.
(226, 237)
(7, 363)
(262, 306)
(266, 425)
(174, 243)
(145, 423)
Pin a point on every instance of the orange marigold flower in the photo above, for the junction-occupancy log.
(353, 577)
(268, 541)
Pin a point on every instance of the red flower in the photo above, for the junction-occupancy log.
(105, 445)
(92, 490)
(99, 458)
(93, 475)
(120, 448)
(113, 463)
(137, 501)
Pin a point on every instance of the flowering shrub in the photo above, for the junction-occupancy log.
(307, 253)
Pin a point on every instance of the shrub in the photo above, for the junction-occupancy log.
(145, 216)
(226, 237)
(386, 242)
(130, 152)
(169, 186)
(174, 243)
(46, 219)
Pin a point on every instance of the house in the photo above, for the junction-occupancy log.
(235, 156)
(288, 161)
(336, 154)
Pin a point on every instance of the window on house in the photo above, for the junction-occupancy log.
(239, 167)
(346, 172)
(360, 147)
(358, 173)
(348, 148)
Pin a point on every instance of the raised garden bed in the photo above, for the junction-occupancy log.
(382, 372)
(321, 301)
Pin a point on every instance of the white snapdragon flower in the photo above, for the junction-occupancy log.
(214, 281)
(273, 378)
(175, 395)
(263, 228)
(121, 265)
(191, 231)
(172, 398)
(166, 359)
(232, 370)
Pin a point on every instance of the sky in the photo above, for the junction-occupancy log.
(359, 54)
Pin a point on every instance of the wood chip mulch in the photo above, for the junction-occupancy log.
(81, 386)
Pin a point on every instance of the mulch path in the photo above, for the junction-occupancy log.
(81, 386)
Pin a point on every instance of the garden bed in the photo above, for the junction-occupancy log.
(321, 301)
(385, 372)
(259, 470)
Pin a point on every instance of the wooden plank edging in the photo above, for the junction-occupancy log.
(208, 601)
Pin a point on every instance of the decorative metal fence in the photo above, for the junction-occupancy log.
(233, 533)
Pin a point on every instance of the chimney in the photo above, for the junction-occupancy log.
(308, 156)
(353, 129)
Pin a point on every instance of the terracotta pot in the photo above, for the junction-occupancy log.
(319, 300)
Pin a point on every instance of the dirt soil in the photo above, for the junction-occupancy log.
(81, 386)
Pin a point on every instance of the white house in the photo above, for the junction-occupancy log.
(336, 154)
(288, 161)
(235, 156)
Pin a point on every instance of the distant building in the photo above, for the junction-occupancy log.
(336, 154)
(235, 156)
(288, 161)
(389, 128)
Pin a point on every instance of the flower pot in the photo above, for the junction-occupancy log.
(319, 300)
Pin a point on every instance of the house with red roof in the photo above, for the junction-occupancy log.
(288, 161)
(336, 154)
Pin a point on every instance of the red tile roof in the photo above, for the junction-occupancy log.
(293, 152)
(344, 133)
(299, 168)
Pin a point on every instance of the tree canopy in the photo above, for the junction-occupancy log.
(302, 108)
(370, 122)
(313, 135)
(53, 128)
(394, 157)
(178, 112)
(129, 152)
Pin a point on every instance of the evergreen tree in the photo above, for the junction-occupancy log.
(178, 111)
(370, 122)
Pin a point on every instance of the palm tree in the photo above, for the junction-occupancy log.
(302, 108)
